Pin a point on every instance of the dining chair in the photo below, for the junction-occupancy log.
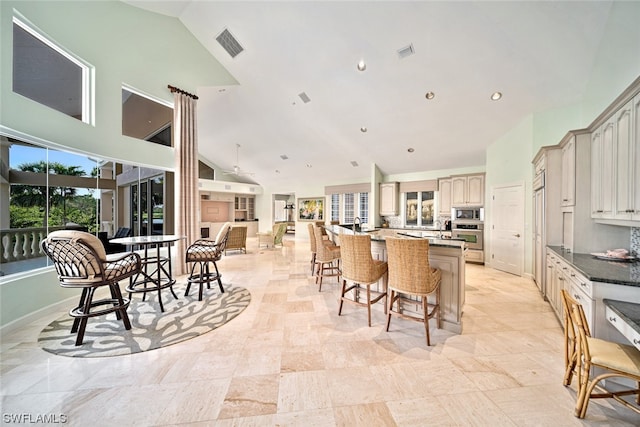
(327, 258)
(81, 262)
(570, 339)
(410, 274)
(202, 253)
(611, 359)
(359, 268)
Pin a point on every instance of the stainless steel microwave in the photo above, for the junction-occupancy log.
(467, 213)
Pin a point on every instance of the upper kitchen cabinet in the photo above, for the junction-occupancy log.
(389, 198)
(467, 190)
(636, 154)
(569, 173)
(444, 193)
(615, 166)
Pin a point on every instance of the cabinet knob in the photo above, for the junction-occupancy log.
(573, 274)
(576, 296)
(612, 319)
(636, 342)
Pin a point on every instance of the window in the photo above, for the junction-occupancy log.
(48, 190)
(349, 208)
(419, 208)
(364, 208)
(146, 118)
(46, 73)
(335, 207)
(346, 207)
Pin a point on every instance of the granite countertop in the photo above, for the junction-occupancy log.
(379, 235)
(628, 311)
(599, 270)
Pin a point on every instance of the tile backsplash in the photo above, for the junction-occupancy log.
(635, 240)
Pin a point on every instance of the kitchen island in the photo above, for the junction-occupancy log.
(446, 254)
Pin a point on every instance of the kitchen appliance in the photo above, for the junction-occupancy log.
(471, 232)
(467, 213)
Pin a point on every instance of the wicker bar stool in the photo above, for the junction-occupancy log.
(411, 275)
(359, 267)
(327, 258)
(203, 252)
(81, 262)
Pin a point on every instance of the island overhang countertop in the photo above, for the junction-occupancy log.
(380, 234)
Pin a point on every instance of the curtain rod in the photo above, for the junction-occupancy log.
(175, 89)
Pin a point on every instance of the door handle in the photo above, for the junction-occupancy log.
(516, 235)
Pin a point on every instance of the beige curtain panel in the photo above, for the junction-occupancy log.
(186, 144)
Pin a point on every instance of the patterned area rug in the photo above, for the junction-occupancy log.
(184, 318)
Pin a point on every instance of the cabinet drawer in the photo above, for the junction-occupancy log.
(588, 304)
(622, 326)
(581, 282)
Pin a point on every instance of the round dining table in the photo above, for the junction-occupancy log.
(156, 272)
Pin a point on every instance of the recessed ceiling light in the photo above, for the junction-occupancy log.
(430, 95)
(410, 150)
(277, 171)
(495, 96)
(308, 165)
(363, 129)
(362, 66)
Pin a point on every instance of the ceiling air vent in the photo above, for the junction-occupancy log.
(229, 43)
(354, 164)
(406, 51)
(305, 98)
(284, 157)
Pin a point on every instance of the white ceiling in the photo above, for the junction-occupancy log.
(538, 54)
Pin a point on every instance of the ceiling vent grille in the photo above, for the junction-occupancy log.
(284, 157)
(406, 51)
(229, 43)
(305, 98)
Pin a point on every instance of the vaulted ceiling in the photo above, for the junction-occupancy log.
(538, 54)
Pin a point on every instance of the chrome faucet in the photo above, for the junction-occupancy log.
(359, 224)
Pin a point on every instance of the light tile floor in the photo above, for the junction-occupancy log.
(289, 359)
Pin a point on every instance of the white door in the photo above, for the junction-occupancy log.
(507, 228)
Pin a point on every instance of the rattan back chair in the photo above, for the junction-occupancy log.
(237, 239)
(570, 338)
(202, 253)
(359, 268)
(410, 274)
(81, 262)
(611, 359)
(327, 257)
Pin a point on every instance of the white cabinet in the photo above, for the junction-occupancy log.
(569, 173)
(389, 198)
(635, 173)
(615, 165)
(245, 207)
(467, 190)
(444, 193)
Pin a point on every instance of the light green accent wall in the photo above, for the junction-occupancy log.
(550, 126)
(25, 295)
(618, 62)
(509, 162)
(126, 45)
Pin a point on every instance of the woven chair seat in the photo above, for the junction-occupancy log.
(327, 258)
(202, 253)
(359, 267)
(410, 274)
(613, 360)
(81, 261)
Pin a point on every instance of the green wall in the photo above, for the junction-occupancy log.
(126, 45)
